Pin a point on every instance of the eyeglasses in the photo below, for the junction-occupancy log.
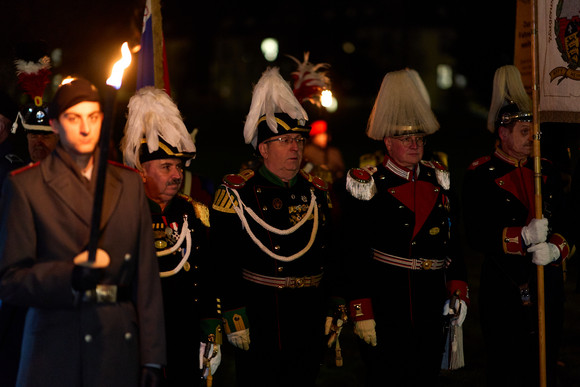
(286, 141)
(408, 140)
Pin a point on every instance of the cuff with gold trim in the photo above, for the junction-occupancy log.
(562, 245)
(235, 320)
(460, 287)
(512, 241)
(361, 309)
(211, 330)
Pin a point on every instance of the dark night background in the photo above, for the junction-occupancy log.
(214, 60)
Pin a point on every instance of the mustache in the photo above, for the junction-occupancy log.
(174, 182)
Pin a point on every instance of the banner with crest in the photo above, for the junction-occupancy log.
(558, 60)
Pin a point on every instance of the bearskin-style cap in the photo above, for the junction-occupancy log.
(402, 107)
(155, 130)
(274, 110)
(509, 100)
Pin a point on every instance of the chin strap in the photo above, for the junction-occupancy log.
(312, 208)
(185, 234)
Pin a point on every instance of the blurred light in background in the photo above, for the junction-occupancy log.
(270, 49)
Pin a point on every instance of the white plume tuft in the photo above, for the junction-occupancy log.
(153, 114)
(272, 94)
(507, 86)
(402, 103)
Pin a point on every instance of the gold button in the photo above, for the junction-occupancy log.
(426, 265)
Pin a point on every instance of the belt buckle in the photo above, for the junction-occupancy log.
(106, 293)
(426, 264)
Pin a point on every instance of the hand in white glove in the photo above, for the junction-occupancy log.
(544, 253)
(240, 339)
(535, 232)
(460, 309)
(334, 327)
(365, 329)
(213, 360)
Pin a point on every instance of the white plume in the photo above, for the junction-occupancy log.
(272, 94)
(507, 86)
(153, 114)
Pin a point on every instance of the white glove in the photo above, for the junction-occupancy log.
(336, 329)
(460, 309)
(544, 253)
(365, 329)
(535, 232)
(240, 339)
(215, 358)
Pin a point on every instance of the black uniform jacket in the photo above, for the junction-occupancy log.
(239, 246)
(408, 217)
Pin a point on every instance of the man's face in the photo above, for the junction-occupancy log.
(162, 179)
(283, 155)
(79, 127)
(41, 144)
(518, 142)
(406, 151)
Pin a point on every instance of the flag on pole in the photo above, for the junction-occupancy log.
(558, 27)
(152, 59)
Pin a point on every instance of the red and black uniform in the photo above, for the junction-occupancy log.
(405, 263)
(185, 282)
(280, 279)
(498, 201)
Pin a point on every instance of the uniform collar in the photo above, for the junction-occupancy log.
(272, 178)
(403, 172)
(500, 154)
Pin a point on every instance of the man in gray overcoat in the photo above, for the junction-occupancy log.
(93, 319)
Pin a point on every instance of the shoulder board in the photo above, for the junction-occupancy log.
(237, 181)
(315, 180)
(360, 183)
(121, 165)
(222, 200)
(478, 162)
(24, 168)
(434, 164)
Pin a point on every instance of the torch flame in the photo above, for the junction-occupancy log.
(116, 78)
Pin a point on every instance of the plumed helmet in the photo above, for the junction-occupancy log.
(155, 129)
(402, 107)
(509, 100)
(274, 110)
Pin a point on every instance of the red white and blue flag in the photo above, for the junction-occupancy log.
(152, 60)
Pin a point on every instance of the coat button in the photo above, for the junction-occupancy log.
(127, 257)
(128, 336)
(88, 338)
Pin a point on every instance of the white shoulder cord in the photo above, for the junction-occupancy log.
(240, 211)
(185, 234)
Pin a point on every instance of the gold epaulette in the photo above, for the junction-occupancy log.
(201, 210)
(222, 200)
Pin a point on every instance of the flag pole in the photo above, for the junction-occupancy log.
(538, 193)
